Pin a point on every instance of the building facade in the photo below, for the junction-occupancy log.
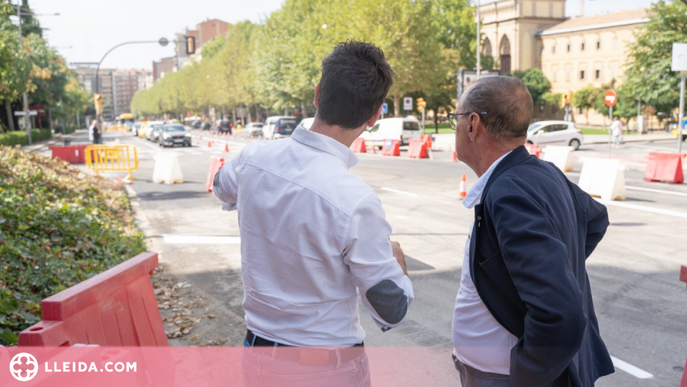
(571, 52)
(125, 85)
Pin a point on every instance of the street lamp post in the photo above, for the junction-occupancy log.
(162, 41)
(479, 54)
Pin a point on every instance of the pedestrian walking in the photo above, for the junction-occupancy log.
(617, 131)
(94, 134)
(314, 238)
(524, 314)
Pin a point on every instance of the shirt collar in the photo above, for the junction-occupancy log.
(325, 144)
(474, 197)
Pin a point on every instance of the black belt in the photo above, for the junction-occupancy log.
(319, 357)
(462, 367)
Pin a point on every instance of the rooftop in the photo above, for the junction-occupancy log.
(600, 21)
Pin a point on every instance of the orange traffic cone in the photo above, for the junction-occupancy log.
(461, 190)
(374, 150)
(454, 157)
(209, 144)
(226, 147)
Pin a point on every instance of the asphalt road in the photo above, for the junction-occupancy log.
(634, 272)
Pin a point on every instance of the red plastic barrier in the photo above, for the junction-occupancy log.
(427, 140)
(683, 278)
(417, 149)
(358, 146)
(534, 150)
(391, 148)
(665, 167)
(74, 154)
(216, 163)
(115, 308)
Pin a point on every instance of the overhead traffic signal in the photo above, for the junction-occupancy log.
(421, 104)
(190, 45)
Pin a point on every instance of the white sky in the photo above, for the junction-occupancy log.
(91, 27)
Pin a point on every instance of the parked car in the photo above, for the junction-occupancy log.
(555, 133)
(196, 124)
(402, 129)
(307, 122)
(254, 129)
(174, 134)
(278, 127)
(223, 126)
(150, 127)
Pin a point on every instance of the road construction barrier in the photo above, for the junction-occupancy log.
(462, 190)
(560, 156)
(112, 158)
(427, 139)
(417, 149)
(115, 308)
(454, 157)
(683, 278)
(167, 169)
(74, 154)
(534, 150)
(665, 167)
(216, 163)
(604, 178)
(391, 148)
(358, 146)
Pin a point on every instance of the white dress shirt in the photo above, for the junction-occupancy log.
(313, 240)
(479, 340)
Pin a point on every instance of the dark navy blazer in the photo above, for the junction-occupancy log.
(533, 231)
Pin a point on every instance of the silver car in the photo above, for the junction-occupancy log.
(555, 133)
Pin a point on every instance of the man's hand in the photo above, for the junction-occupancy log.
(398, 254)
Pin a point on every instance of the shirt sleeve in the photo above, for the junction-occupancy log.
(385, 290)
(225, 184)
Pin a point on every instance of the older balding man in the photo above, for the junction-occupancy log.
(524, 314)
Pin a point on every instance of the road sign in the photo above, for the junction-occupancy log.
(31, 113)
(610, 98)
(407, 103)
(385, 108)
(679, 57)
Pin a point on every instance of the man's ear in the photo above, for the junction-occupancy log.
(317, 95)
(372, 121)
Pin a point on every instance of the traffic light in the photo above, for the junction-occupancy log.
(98, 101)
(421, 104)
(190, 45)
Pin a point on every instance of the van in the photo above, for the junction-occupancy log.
(278, 127)
(402, 129)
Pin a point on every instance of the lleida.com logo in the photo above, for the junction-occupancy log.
(24, 367)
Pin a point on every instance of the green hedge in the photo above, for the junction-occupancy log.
(20, 138)
(58, 227)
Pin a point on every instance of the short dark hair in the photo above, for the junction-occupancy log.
(507, 103)
(355, 80)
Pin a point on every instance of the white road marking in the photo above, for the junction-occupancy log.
(644, 208)
(200, 239)
(656, 191)
(630, 369)
(399, 192)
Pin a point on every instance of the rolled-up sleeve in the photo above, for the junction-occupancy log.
(225, 184)
(385, 290)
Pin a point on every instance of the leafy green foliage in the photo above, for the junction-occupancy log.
(537, 84)
(58, 227)
(20, 137)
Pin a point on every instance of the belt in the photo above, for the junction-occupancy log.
(316, 357)
(462, 367)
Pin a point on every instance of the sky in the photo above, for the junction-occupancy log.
(86, 29)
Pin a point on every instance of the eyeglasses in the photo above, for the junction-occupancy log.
(453, 118)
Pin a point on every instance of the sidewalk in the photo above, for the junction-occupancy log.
(79, 137)
(603, 138)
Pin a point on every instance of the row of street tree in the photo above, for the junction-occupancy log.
(276, 63)
(36, 69)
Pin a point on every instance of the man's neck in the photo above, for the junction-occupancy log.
(342, 135)
(487, 158)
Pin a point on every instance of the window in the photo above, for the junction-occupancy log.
(410, 125)
(553, 49)
(554, 71)
(582, 47)
(597, 74)
(568, 72)
(569, 47)
(582, 74)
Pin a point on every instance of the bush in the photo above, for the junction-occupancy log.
(58, 227)
(20, 137)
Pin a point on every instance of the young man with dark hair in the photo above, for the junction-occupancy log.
(314, 239)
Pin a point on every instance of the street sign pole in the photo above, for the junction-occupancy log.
(423, 121)
(610, 131)
(682, 112)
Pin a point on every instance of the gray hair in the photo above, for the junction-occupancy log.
(507, 103)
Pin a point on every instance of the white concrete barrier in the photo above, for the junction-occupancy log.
(167, 169)
(560, 156)
(444, 142)
(604, 178)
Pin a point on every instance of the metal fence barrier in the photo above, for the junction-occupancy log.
(102, 158)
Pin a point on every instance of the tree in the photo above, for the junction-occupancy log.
(537, 84)
(649, 76)
(585, 99)
(14, 66)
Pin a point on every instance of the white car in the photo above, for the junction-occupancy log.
(402, 129)
(254, 129)
(148, 131)
(555, 133)
(307, 122)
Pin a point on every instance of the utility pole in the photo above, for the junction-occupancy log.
(27, 117)
(479, 54)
